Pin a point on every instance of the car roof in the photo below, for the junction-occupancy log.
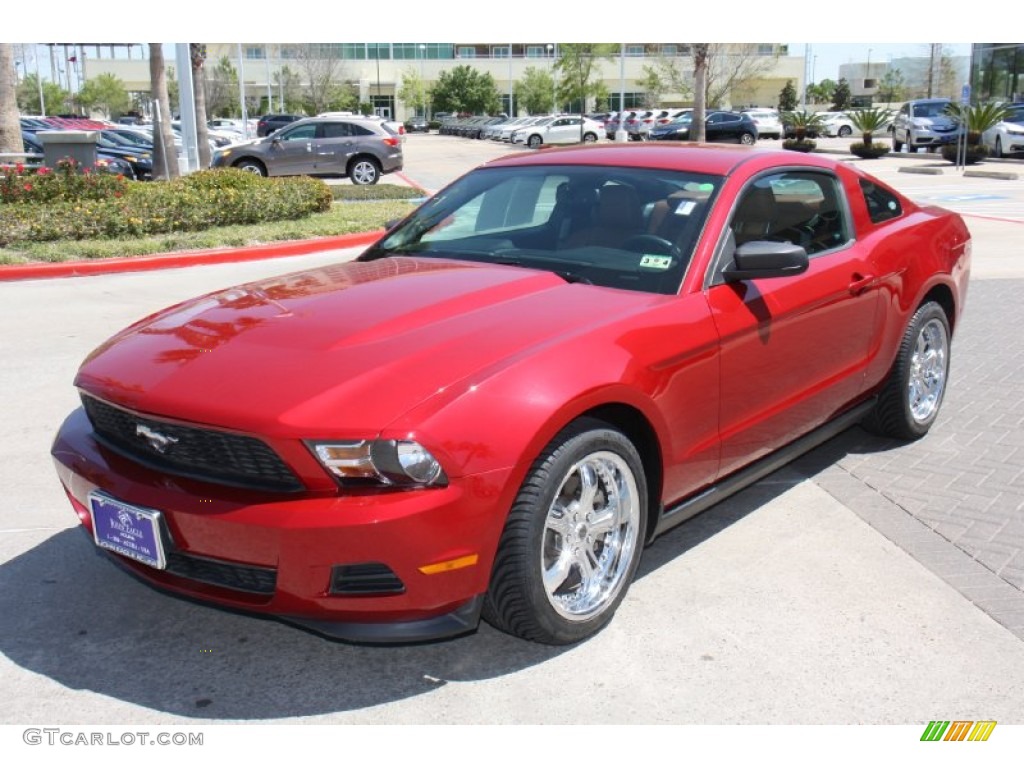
(715, 159)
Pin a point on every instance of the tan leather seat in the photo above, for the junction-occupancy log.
(756, 215)
(619, 217)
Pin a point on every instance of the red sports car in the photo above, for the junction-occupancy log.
(493, 409)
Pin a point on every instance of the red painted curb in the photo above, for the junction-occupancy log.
(185, 258)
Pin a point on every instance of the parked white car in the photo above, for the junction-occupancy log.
(837, 124)
(508, 131)
(1006, 138)
(768, 122)
(565, 129)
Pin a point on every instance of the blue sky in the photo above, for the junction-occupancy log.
(831, 55)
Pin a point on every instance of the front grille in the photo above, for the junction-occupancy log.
(242, 578)
(202, 454)
(365, 579)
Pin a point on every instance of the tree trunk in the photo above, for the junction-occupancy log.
(700, 91)
(165, 156)
(10, 125)
(202, 133)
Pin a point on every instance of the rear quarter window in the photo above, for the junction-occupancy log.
(882, 204)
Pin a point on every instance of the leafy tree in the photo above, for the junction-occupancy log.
(578, 66)
(10, 127)
(729, 69)
(413, 91)
(54, 96)
(106, 94)
(221, 81)
(602, 96)
(822, 92)
(535, 92)
(653, 86)
(465, 90)
(787, 97)
(325, 90)
(173, 89)
(841, 96)
(892, 87)
(289, 89)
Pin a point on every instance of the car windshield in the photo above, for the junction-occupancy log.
(930, 109)
(627, 228)
(1016, 115)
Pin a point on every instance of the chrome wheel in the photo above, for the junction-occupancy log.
(928, 367)
(590, 534)
(363, 172)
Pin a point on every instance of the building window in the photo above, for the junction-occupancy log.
(500, 51)
(255, 52)
(378, 51)
(634, 50)
(466, 52)
(766, 49)
(289, 52)
(670, 50)
(870, 82)
(536, 52)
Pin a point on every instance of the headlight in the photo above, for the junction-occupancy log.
(1015, 131)
(131, 158)
(400, 463)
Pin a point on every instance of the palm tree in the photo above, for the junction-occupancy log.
(869, 122)
(10, 125)
(977, 119)
(803, 123)
(165, 157)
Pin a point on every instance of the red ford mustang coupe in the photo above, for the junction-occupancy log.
(493, 409)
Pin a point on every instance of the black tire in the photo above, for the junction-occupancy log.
(912, 395)
(550, 543)
(747, 138)
(363, 171)
(589, 138)
(897, 145)
(844, 131)
(252, 166)
(998, 150)
(534, 141)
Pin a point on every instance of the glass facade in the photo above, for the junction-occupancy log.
(997, 72)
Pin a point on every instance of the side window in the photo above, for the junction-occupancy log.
(302, 133)
(882, 204)
(335, 130)
(800, 207)
(359, 130)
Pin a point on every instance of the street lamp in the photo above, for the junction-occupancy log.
(554, 85)
(423, 85)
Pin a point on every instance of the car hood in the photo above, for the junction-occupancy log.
(344, 349)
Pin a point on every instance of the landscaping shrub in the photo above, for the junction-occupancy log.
(21, 184)
(195, 202)
(375, 192)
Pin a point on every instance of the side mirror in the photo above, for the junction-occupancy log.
(764, 258)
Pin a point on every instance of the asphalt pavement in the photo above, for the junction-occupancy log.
(868, 582)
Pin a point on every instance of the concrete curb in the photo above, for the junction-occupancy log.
(41, 271)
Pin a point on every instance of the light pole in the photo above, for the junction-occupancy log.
(554, 85)
(423, 83)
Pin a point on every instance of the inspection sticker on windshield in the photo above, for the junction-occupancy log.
(656, 262)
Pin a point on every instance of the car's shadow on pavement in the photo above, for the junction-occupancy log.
(74, 617)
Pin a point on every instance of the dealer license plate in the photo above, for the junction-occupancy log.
(126, 529)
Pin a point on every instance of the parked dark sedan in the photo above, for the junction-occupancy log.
(729, 127)
(417, 125)
(105, 162)
(270, 123)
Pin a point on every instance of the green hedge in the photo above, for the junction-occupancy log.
(192, 203)
(375, 192)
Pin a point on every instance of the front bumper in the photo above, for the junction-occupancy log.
(347, 566)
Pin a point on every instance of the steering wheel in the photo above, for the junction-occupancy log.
(645, 243)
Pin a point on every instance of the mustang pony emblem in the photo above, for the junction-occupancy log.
(157, 441)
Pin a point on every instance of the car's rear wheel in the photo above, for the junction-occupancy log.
(897, 145)
(364, 171)
(589, 138)
(747, 138)
(998, 151)
(844, 131)
(910, 400)
(573, 538)
(252, 166)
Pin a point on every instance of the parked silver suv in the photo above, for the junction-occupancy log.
(362, 149)
(923, 123)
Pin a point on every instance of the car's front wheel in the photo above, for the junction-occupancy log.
(364, 171)
(252, 166)
(573, 538)
(534, 141)
(998, 151)
(910, 400)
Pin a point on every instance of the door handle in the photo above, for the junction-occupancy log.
(860, 283)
